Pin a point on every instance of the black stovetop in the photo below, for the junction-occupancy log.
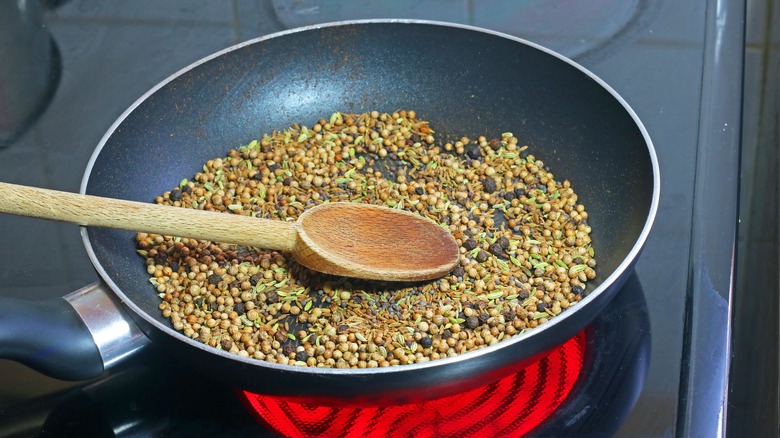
(678, 64)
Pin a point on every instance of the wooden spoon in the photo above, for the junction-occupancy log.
(353, 240)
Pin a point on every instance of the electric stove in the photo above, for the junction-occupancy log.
(655, 363)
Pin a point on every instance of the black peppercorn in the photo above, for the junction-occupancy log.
(489, 185)
(176, 195)
(426, 342)
(215, 278)
(472, 322)
(482, 256)
(160, 258)
(253, 280)
(301, 356)
(509, 315)
(469, 244)
(496, 249)
(459, 271)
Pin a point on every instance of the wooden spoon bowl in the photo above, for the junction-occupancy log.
(368, 241)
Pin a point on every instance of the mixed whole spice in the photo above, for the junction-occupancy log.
(525, 249)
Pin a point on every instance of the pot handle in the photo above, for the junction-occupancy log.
(76, 337)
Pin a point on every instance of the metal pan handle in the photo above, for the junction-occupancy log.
(76, 337)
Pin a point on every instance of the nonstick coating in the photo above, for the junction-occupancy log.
(465, 81)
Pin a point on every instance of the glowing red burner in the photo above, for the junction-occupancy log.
(512, 406)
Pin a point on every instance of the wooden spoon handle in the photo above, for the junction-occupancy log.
(96, 211)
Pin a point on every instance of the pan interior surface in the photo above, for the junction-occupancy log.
(465, 82)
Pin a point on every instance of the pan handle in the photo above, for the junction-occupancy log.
(76, 337)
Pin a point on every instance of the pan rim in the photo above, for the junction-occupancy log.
(626, 264)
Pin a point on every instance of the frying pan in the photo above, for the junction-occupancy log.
(463, 80)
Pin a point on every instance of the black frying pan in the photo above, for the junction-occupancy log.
(463, 80)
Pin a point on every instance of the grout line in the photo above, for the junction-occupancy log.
(115, 21)
(234, 22)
